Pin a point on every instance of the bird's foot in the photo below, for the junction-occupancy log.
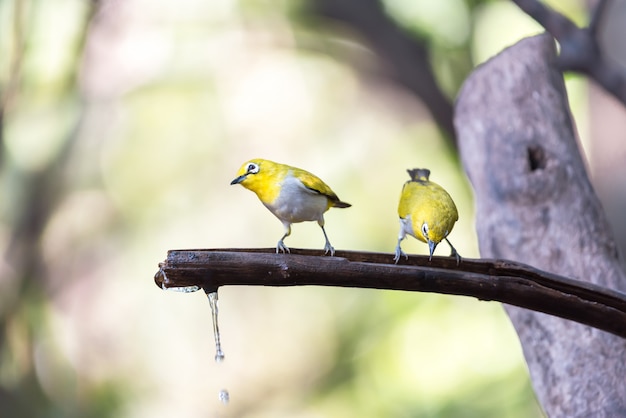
(281, 247)
(329, 249)
(399, 253)
(454, 253)
(457, 256)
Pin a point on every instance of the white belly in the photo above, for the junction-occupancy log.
(296, 203)
(406, 227)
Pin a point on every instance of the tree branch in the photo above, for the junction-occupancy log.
(580, 50)
(405, 57)
(498, 280)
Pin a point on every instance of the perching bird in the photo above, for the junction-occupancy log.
(291, 194)
(426, 212)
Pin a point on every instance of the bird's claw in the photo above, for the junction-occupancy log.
(457, 256)
(329, 248)
(399, 253)
(454, 253)
(281, 247)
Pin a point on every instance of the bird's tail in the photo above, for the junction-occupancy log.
(340, 204)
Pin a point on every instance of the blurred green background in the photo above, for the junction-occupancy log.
(123, 123)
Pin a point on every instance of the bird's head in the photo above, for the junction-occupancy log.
(433, 235)
(247, 172)
(257, 175)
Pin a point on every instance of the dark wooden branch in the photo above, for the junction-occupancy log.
(498, 280)
(580, 50)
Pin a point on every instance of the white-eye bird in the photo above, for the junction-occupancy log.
(291, 194)
(427, 212)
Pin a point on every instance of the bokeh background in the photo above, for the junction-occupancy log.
(123, 123)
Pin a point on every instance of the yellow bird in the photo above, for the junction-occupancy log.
(291, 194)
(427, 212)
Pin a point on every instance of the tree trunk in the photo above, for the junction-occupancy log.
(535, 204)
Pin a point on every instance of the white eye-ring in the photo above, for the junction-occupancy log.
(425, 230)
(253, 168)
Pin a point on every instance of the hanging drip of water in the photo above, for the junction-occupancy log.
(213, 301)
(223, 395)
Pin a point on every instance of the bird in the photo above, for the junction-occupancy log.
(293, 195)
(427, 212)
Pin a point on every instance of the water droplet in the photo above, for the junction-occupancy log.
(224, 396)
(213, 301)
(182, 289)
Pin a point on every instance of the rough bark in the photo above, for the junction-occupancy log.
(535, 204)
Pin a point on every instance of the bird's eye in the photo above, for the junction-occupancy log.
(252, 168)
(425, 230)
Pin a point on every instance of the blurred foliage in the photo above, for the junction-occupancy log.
(123, 123)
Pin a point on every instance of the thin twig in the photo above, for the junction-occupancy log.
(497, 280)
(580, 50)
(405, 57)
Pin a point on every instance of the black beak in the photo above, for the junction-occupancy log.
(238, 179)
(431, 246)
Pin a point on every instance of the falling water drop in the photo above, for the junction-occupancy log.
(219, 354)
(224, 396)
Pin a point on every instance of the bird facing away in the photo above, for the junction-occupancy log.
(426, 212)
(291, 194)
